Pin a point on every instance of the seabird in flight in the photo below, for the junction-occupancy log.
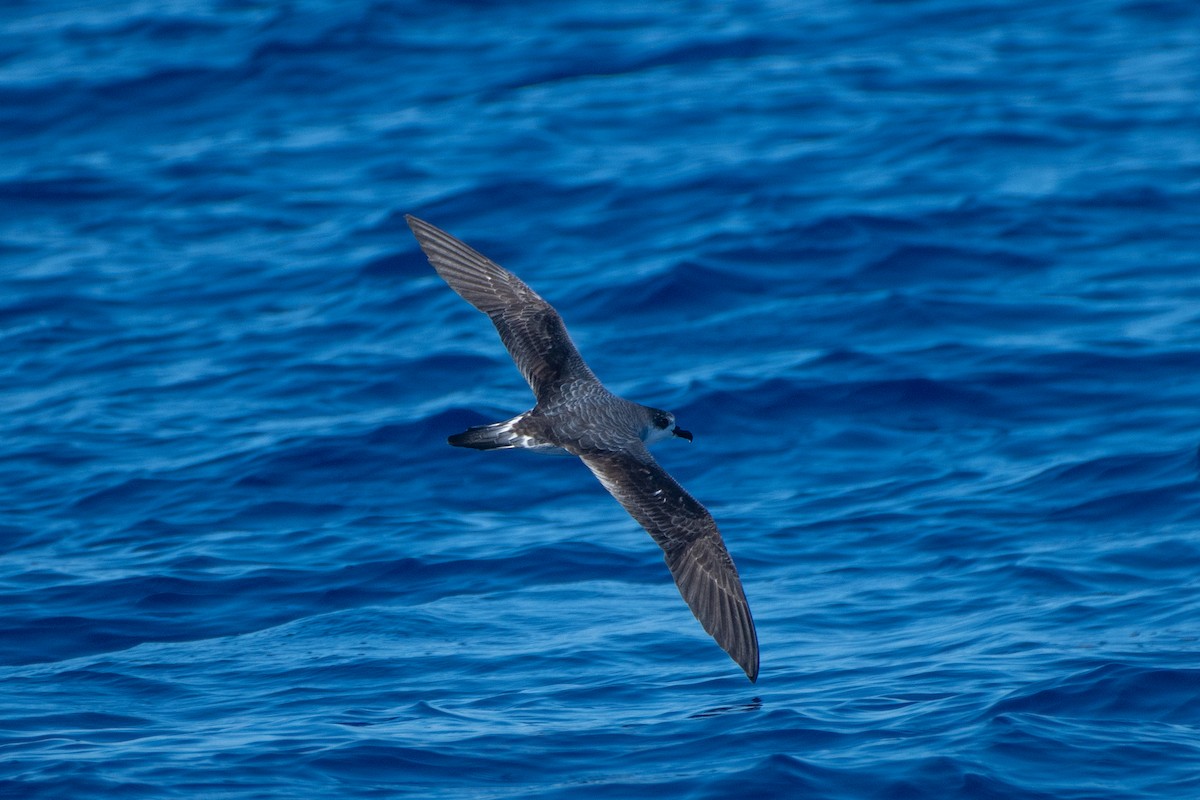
(576, 415)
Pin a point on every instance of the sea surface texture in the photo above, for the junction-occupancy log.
(922, 277)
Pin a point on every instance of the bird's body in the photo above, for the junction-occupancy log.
(576, 415)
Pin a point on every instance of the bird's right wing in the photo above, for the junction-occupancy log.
(530, 328)
(692, 547)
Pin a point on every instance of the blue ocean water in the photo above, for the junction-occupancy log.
(922, 277)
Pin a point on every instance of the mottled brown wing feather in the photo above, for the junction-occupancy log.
(692, 547)
(530, 328)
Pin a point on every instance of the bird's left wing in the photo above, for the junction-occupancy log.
(530, 328)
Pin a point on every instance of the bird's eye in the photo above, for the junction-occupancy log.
(662, 422)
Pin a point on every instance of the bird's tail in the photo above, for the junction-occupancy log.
(497, 436)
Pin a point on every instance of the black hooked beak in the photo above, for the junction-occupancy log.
(682, 434)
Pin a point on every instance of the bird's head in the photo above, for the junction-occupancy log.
(662, 426)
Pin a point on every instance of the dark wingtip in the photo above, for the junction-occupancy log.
(420, 227)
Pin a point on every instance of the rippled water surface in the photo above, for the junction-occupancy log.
(922, 277)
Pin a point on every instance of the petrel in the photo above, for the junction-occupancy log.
(576, 415)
